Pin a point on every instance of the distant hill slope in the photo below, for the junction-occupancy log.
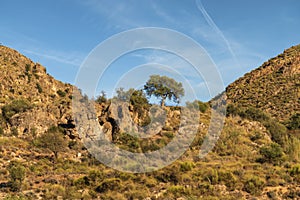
(274, 87)
(33, 98)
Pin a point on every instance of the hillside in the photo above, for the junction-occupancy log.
(25, 86)
(273, 87)
(42, 157)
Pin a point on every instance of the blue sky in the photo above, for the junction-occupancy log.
(238, 35)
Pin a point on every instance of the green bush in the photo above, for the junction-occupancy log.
(254, 185)
(277, 131)
(1, 131)
(14, 132)
(177, 191)
(295, 170)
(212, 176)
(138, 100)
(272, 153)
(199, 105)
(292, 148)
(14, 197)
(228, 178)
(82, 182)
(61, 93)
(254, 114)
(101, 98)
(39, 88)
(232, 110)
(108, 184)
(17, 175)
(294, 122)
(27, 67)
(128, 141)
(96, 176)
(186, 166)
(16, 106)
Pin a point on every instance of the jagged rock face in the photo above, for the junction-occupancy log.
(274, 87)
(50, 99)
(118, 117)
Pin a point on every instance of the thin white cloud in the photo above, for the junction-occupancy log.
(65, 58)
(118, 15)
(161, 13)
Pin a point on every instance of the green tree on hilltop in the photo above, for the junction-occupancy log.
(165, 88)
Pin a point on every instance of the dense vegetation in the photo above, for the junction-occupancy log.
(256, 156)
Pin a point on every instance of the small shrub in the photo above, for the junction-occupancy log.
(294, 122)
(254, 185)
(228, 178)
(271, 153)
(108, 184)
(17, 175)
(14, 132)
(254, 114)
(186, 166)
(177, 190)
(82, 182)
(295, 170)
(277, 130)
(14, 197)
(39, 88)
(139, 101)
(256, 136)
(16, 106)
(128, 141)
(101, 98)
(61, 93)
(232, 110)
(212, 176)
(169, 134)
(96, 176)
(201, 106)
(33, 131)
(54, 191)
(1, 131)
(170, 175)
(292, 148)
(27, 68)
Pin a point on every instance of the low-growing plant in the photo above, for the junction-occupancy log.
(272, 153)
(294, 122)
(17, 174)
(16, 106)
(108, 184)
(254, 185)
(14, 131)
(39, 88)
(186, 166)
(61, 93)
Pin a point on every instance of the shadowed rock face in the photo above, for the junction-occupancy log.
(274, 87)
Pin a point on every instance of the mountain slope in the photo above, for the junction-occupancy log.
(274, 87)
(25, 82)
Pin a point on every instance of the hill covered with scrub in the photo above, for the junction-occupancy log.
(256, 157)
